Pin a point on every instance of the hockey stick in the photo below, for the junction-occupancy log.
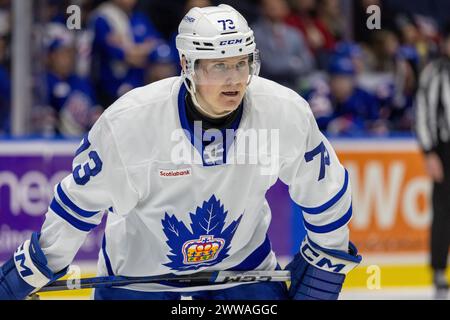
(200, 278)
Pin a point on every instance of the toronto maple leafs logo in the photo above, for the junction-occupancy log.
(207, 244)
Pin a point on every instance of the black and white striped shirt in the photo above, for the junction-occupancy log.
(433, 105)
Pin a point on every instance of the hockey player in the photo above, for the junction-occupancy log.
(183, 194)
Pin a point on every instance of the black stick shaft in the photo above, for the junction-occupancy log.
(200, 278)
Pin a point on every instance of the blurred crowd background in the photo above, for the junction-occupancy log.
(357, 81)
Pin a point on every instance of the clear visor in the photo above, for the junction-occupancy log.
(227, 71)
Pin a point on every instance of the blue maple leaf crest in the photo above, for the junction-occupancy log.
(207, 244)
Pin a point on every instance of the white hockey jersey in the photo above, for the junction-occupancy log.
(173, 207)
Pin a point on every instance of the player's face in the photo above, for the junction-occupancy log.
(341, 87)
(221, 83)
(62, 61)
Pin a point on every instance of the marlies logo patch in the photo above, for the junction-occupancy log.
(206, 248)
(173, 173)
(209, 241)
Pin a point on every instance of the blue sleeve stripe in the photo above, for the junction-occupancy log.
(332, 226)
(80, 225)
(106, 257)
(330, 203)
(68, 203)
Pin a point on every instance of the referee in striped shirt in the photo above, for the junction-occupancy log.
(433, 132)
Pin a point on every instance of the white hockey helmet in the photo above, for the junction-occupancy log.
(214, 33)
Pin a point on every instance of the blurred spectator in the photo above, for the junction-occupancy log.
(72, 109)
(410, 37)
(428, 28)
(123, 45)
(342, 107)
(83, 40)
(189, 4)
(5, 17)
(400, 102)
(330, 15)
(384, 46)
(433, 132)
(320, 39)
(163, 64)
(5, 97)
(53, 11)
(354, 52)
(285, 57)
(5, 83)
(302, 18)
(400, 63)
(438, 9)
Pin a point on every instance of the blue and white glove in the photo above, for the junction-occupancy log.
(26, 271)
(318, 273)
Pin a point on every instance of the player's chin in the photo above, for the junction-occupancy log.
(229, 106)
(231, 99)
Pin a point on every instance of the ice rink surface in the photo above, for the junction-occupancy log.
(401, 293)
(423, 293)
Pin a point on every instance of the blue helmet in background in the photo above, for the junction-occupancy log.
(163, 53)
(341, 65)
(348, 49)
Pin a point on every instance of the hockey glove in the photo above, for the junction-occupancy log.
(26, 271)
(318, 273)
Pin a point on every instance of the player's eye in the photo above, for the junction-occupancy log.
(241, 65)
(219, 67)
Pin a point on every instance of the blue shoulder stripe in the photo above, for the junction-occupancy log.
(331, 226)
(68, 203)
(331, 202)
(80, 225)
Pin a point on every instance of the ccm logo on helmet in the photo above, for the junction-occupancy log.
(225, 42)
